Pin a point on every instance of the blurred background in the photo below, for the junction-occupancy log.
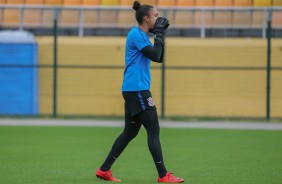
(66, 58)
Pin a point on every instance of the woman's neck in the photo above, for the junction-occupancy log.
(144, 27)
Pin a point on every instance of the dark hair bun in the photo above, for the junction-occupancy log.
(136, 5)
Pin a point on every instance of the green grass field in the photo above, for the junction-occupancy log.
(66, 155)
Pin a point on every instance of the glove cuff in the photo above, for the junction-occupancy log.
(160, 38)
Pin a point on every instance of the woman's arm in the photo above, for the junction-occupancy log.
(155, 53)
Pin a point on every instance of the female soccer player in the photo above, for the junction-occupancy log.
(140, 108)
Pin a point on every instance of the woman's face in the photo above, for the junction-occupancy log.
(151, 19)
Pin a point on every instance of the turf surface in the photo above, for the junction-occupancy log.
(66, 155)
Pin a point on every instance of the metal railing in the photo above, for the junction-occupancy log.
(185, 21)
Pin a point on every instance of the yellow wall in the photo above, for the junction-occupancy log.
(262, 2)
(228, 93)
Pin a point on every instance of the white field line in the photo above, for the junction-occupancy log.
(163, 124)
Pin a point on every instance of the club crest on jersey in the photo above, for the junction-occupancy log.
(151, 102)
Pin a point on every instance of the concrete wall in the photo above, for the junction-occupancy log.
(222, 92)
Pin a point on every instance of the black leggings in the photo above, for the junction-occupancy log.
(149, 119)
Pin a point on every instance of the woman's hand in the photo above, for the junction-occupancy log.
(160, 26)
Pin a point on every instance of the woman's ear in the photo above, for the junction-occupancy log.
(146, 18)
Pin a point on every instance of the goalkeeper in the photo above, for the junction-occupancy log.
(139, 105)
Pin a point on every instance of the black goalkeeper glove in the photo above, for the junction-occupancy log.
(160, 26)
(159, 29)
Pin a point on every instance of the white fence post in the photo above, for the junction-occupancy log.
(81, 19)
(203, 23)
(21, 15)
(264, 23)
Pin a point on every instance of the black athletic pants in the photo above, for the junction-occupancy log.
(149, 120)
